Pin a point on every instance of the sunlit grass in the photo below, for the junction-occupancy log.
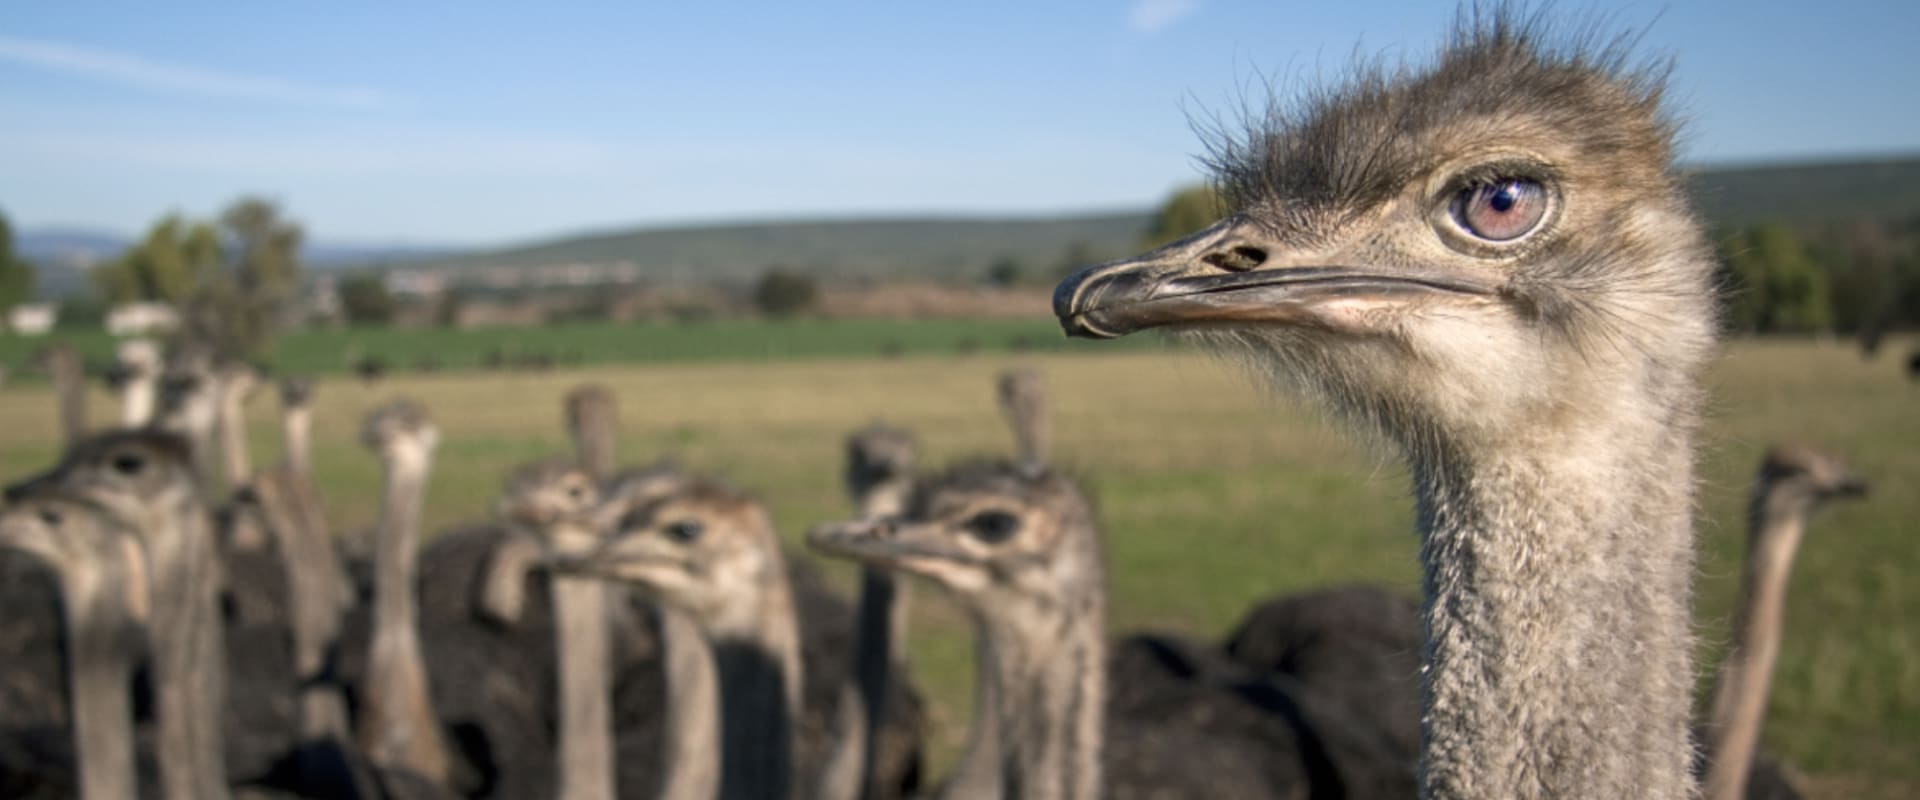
(1213, 496)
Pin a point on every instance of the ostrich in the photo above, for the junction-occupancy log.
(555, 501)
(145, 481)
(397, 727)
(103, 599)
(138, 366)
(1019, 548)
(1793, 481)
(1491, 262)
(189, 405)
(879, 477)
(712, 552)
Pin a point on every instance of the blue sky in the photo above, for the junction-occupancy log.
(473, 123)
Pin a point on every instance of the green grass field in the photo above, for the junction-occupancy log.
(1213, 495)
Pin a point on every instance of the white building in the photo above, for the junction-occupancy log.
(32, 319)
(136, 319)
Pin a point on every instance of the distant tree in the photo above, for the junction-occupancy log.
(782, 293)
(237, 311)
(168, 266)
(1777, 286)
(17, 277)
(365, 300)
(1186, 212)
(1005, 271)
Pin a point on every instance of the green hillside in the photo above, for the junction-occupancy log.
(1876, 190)
(957, 247)
(929, 247)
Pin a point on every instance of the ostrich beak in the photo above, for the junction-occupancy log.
(1235, 272)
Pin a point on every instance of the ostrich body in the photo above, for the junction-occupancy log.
(1491, 262)
(713, 553)
(397, 727)
(1793, 481)
(145, 481)
(100, 572)
(556, 501)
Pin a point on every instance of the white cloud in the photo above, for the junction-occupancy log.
(1154, 16)
(141, 73)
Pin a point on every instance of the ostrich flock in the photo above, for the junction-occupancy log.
(1487, 262)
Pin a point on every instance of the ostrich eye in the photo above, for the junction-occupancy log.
(50, 517)
(576, 492)
(685, 530)
(128, 463)
(993, 527)
(1502, 210)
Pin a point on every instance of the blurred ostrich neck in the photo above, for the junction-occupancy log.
(233, 430)
(137, 398)
(296, 429)
(586, 719)
(1557, 567)
(692, 747)
(189, 646)
(399, 726)
(70, 380)
(1740, 699)
(1046, 676)
(757, 659)
(880, 624)
(100, 664)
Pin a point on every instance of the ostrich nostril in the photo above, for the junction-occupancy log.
(1238, 259)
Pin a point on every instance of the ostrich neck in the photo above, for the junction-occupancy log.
(137, 399)
(977, 775)
(1740, 699)
(1557, 572)
(233, 438)
(691, 750)
(880, 627)
(71, 383)
(313, 583)
(99, 671)
(1047, 675)
(586, 719)
(399, 727)
(189, 648)
(296, 429)
(758, 665)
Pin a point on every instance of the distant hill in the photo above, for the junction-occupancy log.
(1880, 190)
(1876, 190)
(856, 248)
(81, 247)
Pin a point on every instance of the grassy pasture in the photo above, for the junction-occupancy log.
(576, 344)
(1213, 496)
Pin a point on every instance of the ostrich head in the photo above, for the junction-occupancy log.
(878, 455)
(1445, 251)
(400, 432)
(1009, 543)
(81, 542)
(296, 391)
(1795, 479)
(706, 549)
(132, 474)
(556, 500)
